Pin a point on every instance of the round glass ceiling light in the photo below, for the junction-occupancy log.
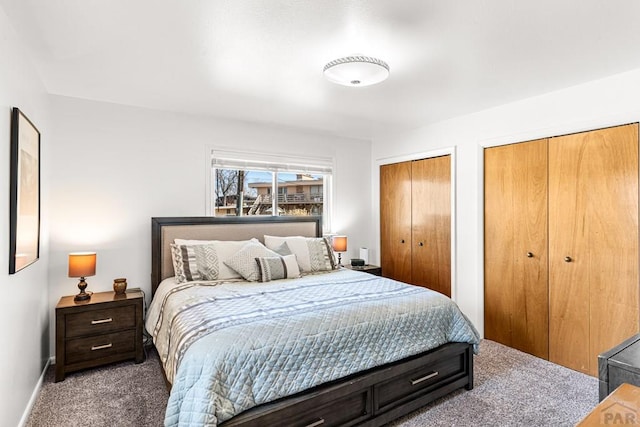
(356, 71)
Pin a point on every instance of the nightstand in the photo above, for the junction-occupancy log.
(369, 268)
(619, 365)
(105, 329)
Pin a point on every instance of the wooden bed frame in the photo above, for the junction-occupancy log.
(370, 398)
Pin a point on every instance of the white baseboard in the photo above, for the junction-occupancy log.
(34, 395)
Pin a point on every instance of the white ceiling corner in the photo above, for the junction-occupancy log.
(262, 60)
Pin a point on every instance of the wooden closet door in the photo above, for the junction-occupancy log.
(431, 223)
(593, 252)
(395, 221)
(515, 246)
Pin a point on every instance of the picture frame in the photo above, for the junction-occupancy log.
(24, 194)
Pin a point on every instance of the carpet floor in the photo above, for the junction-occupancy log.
(511, 389)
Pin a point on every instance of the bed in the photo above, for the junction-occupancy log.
(330, 348)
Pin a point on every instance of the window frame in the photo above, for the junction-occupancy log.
(229, 158)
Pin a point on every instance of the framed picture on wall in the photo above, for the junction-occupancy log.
(24, 217)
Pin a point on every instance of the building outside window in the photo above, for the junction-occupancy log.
(244, 184)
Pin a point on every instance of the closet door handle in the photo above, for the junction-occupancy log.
(529, 255)
(420, 244)
(402, 241)
(568, 259)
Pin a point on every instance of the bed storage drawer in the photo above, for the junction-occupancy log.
(323, 410)
(347, 411)
(372, 398)
(417, 381)
(420, 381)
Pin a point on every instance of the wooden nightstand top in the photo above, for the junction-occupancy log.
(620, 407)
(98, 298)
(369, 268)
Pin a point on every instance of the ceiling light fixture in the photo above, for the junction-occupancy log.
(356, 71)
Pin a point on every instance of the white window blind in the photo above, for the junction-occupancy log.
(227, 159)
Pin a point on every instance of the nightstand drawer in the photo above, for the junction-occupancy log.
(100, 321)
(96, 347)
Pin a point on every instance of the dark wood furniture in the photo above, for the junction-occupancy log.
(369, 268)
(370, 398)
(619, 365)
(622, 407)
(105, 329)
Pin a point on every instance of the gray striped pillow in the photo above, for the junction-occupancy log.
(281, 267)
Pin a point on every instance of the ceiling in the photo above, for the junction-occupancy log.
(262, 60)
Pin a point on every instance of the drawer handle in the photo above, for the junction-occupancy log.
(317, 423)
(97, 322)
(101, 347)
(426, 377)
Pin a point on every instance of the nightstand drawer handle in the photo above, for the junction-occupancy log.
(100, 347)
(97, 322)
(426, 377)
(317, 423)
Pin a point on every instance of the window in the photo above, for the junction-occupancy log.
(245, 183)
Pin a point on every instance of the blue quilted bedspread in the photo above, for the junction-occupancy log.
(227, 347)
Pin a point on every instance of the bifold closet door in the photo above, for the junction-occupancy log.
(515, 246)
(431, 223)
(395, 221)
(593, 244)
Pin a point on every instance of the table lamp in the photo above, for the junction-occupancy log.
(339, 244)
(82, 264)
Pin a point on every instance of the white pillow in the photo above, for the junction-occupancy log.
(244, 261)
(312, 253)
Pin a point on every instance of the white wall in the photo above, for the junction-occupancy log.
(24, 306)
(117, 166)
(611, 101)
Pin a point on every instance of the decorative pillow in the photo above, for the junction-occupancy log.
(195, 262)
(244, 261)
(283, 249)
(312, 253)
(279, 267)
(204, 259)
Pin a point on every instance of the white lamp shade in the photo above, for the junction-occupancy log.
(356, 71)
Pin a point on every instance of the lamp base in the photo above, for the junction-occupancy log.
(339, 259)
(82, 296)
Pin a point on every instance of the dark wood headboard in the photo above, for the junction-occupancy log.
(165, 229)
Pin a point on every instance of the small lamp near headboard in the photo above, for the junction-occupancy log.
(82, 264)
(339, 244)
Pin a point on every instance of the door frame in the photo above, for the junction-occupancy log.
(450, 151)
